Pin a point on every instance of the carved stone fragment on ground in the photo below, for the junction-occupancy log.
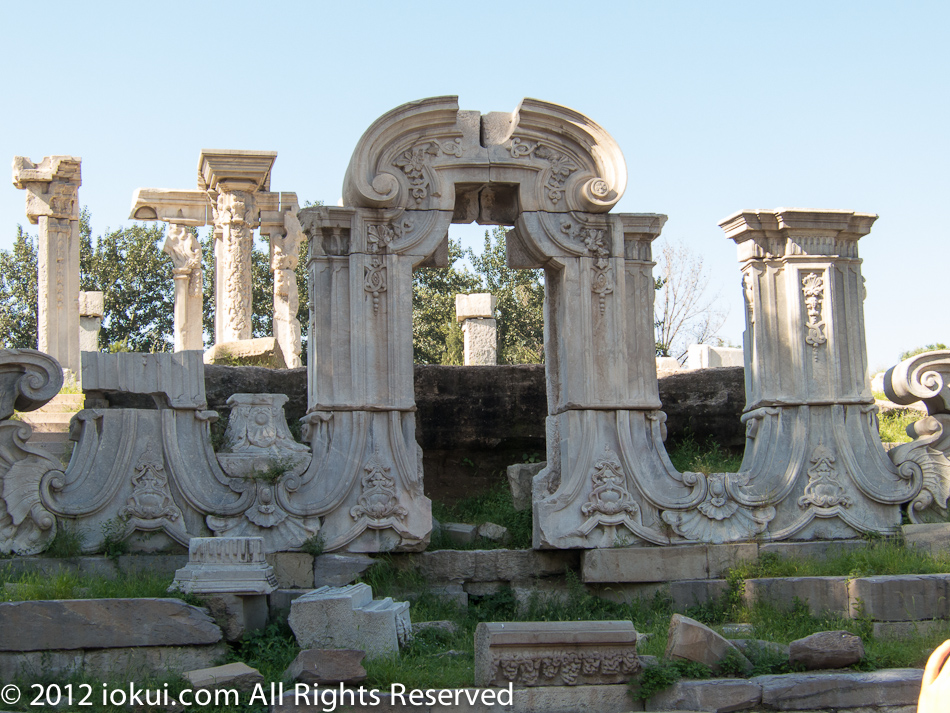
(555, 653)
(349, 617)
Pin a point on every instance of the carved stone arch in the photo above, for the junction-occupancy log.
(429, 155)
(553, 174)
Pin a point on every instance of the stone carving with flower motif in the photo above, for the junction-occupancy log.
(378, 501)
(813, 289)
(823, 489)
(378, 238)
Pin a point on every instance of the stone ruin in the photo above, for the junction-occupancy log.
(814, 465)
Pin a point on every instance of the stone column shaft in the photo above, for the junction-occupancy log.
(185, 251)
(52, 203)
(235, 218)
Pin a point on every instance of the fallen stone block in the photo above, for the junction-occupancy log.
(459, 533)
(716, 695)
(826, 649)
(520, 478)
(555, 653)
(103, 623)
(238, 676)
(493, 532)
(263, 351)
(327, 666)
(817, 691)
(349, 618)
(690, 640)
(339, 570)
(293, 570)
(237, 614)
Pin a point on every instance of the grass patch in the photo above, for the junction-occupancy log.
(33, 585)
(67, 542)
(893, 424)
(708, 457)
(495, 505)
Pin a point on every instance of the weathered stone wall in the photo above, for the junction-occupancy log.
(474, 421)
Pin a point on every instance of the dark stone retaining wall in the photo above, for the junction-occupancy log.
(474, 421)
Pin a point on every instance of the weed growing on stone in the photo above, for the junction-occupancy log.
(114, 543)
(67, 542)
(313, 545)
(270, 650)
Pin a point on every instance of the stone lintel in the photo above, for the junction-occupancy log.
(234, 170)
(51, 168)
(751, 224)
(185, 207)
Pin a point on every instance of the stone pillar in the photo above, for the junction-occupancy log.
(477, 314)
(280, 223)
(232, 178)
(183, 248)
(809, 405)
(91, 309)
(52, 202)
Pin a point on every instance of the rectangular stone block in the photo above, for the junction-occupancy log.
(817, 691)
(555, 653)
(339, 570)
(492, 565)
(177, 378)
(819, 549)
(663, 564)
(67, 624)
(906, 597)
(822, 594)
(933, 538)
(693, 592)
(480, 305)
(726, 694)
(626, 592)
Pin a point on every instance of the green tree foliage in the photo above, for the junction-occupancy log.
(920, 350)
(520, 302)
(18, 293)
(433, 309)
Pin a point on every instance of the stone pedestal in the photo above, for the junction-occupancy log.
(812, 447)
(52, 203)
(477, 314)
(91, 309)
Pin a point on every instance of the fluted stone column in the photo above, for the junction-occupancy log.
(52, 203)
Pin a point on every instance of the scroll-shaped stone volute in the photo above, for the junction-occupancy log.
(925, 377)
(428, 155)
(28, 379)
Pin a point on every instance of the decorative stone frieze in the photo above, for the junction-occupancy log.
(560, 653)
(52, 203)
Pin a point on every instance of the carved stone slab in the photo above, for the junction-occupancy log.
(176, 379)
(555, 653)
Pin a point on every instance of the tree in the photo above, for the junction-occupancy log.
(18, 300)
(684, 313)
(519, 300)
(433, 309)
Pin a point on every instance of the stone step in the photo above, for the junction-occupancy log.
(63, 402)
(36, 418)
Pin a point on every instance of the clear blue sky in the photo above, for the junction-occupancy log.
(717, 106)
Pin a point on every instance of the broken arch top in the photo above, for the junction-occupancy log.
(429, 155)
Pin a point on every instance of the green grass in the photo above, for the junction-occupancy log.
(495, 505)
(708, 457)
(893, 424)
(70, 585)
